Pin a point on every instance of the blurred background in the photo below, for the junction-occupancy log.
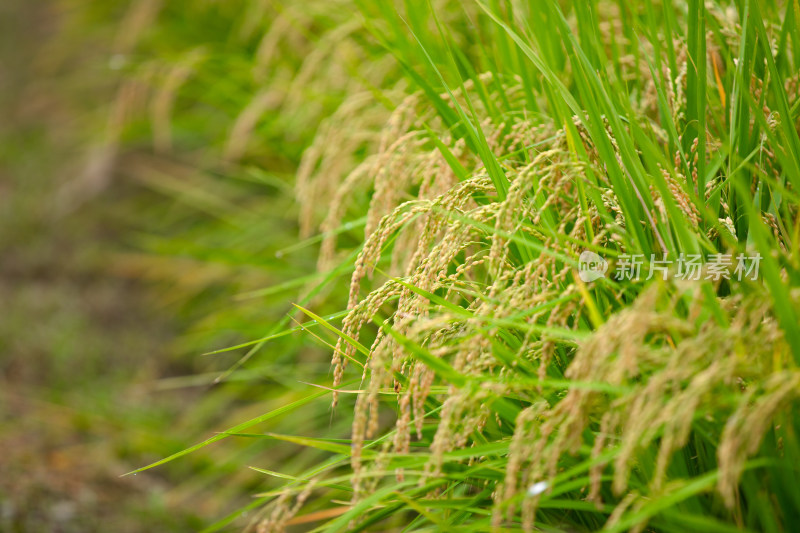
(99, 371)
(81, 346)
(148, 153)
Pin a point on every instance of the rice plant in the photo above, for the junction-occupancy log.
(571, 232)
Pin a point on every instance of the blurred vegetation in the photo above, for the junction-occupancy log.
(81, 347)
(126, 258)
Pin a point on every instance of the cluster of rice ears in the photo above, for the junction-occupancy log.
(467, 166)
